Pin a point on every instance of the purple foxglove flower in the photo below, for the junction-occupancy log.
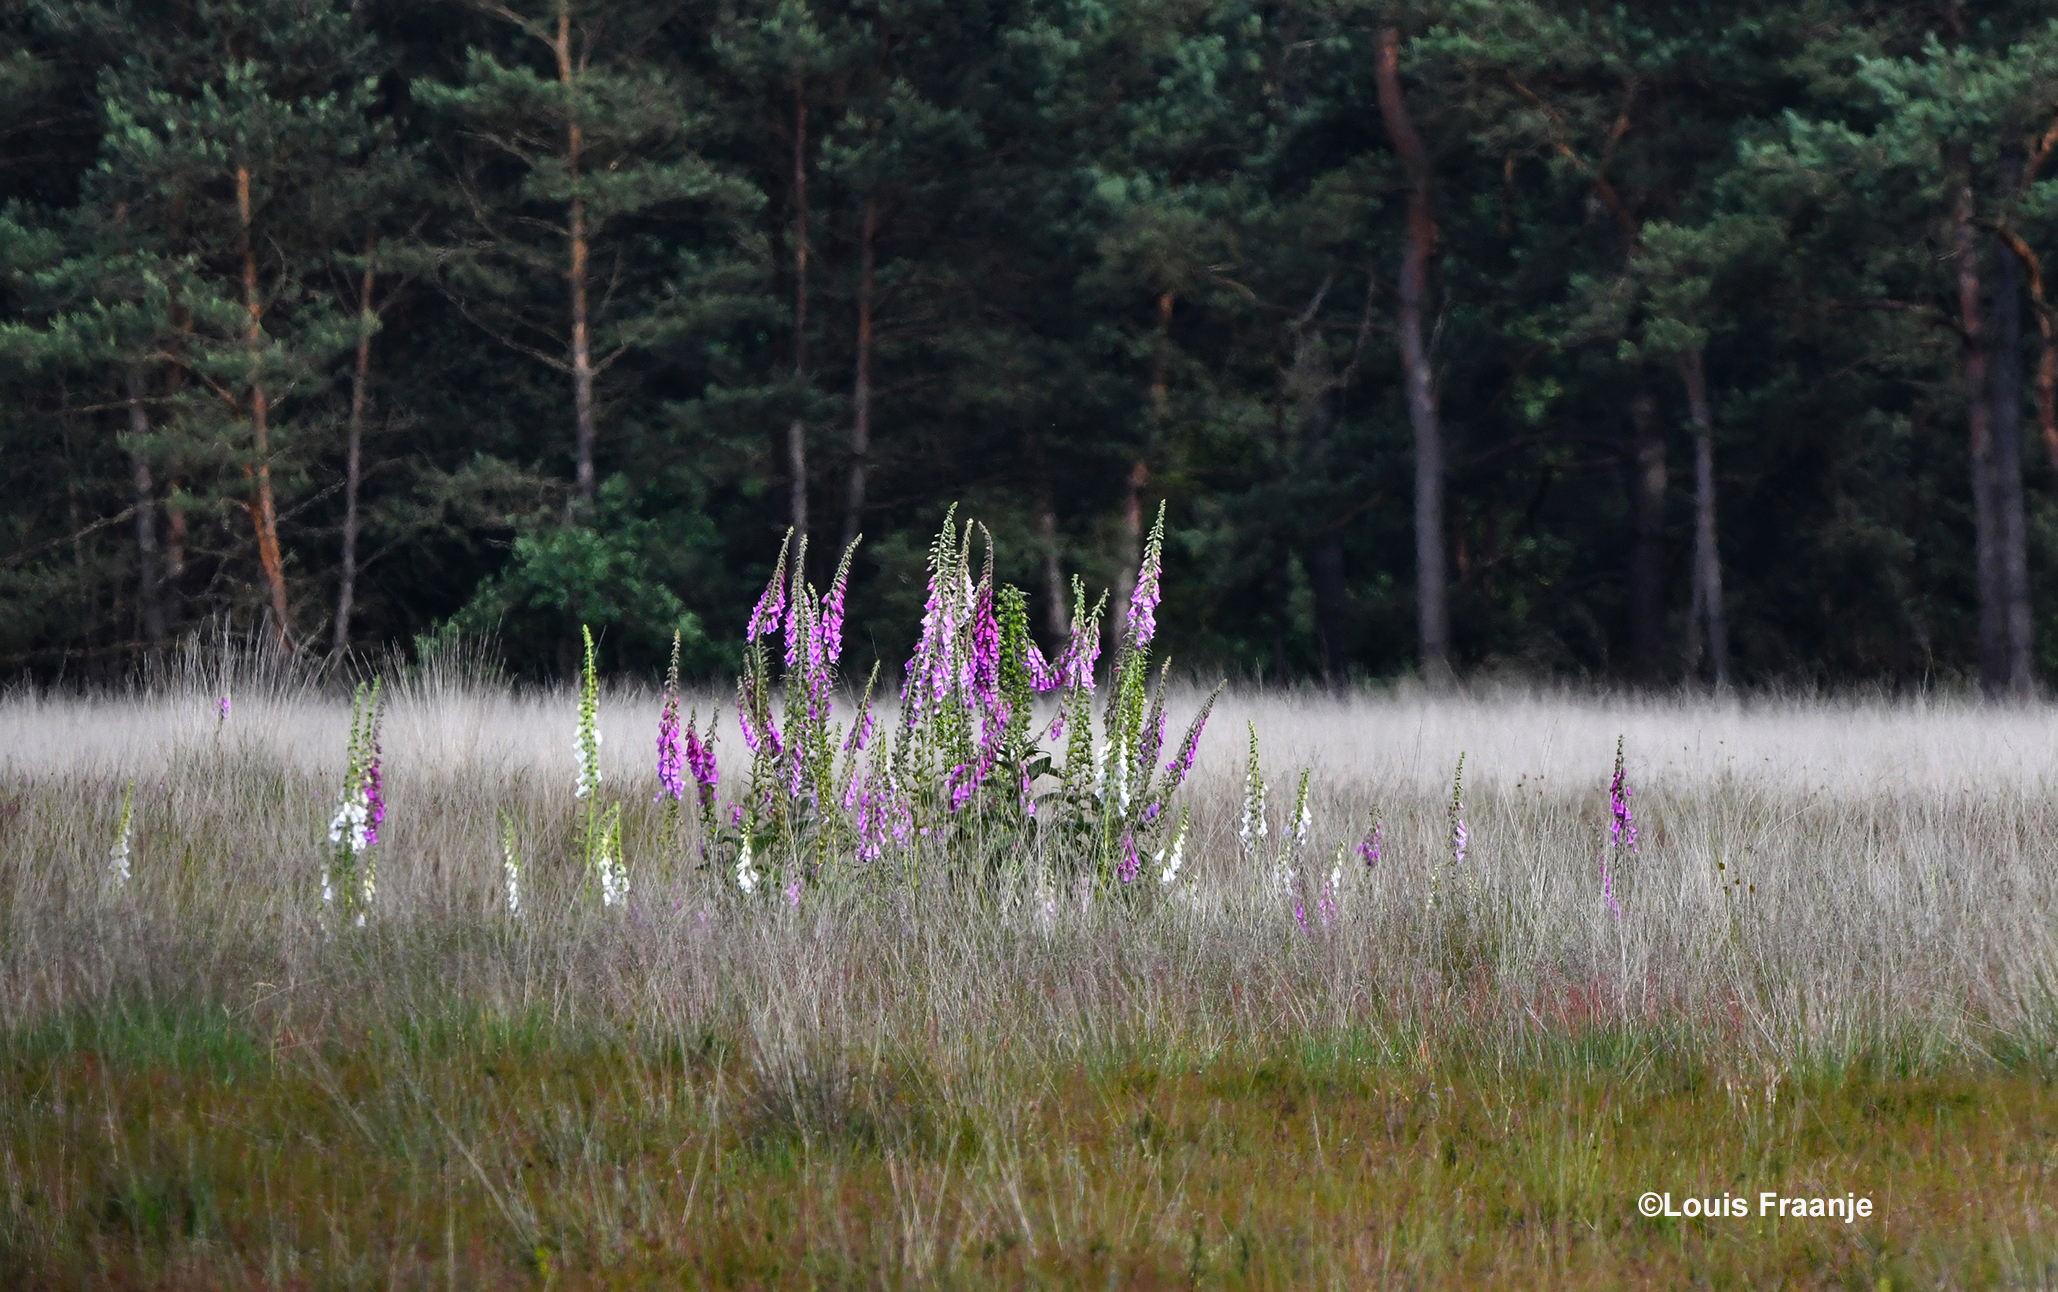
(1143, 601)
(1621, 821)
(374, 795)
(829, 632)
(799, 624)
(1042, 676)
(771, 606)
(961, 783)
(700, 761)
(671, 778)
(1183, 762)
(1373, 844)
(221, 710)
(1132, 862)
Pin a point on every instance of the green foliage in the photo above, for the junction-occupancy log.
(609, 573)
(1089, 237)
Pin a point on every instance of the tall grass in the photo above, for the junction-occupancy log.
(1811, 879)
(951, 1065)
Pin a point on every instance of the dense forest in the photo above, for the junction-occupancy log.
(1663, 342)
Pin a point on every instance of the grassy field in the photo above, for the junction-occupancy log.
(1832, 976)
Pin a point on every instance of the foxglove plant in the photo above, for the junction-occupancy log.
(1373, 845)
(600, 828)
(511, 864)
(1457, 837)
(963, 777)
(118, 855)
(349, 881)
(671, 758)
(1173, 854)
(1285, 870)
(586, 745)
(608, 866)
(1327, 905)
(1621, 831)
(1251, 830)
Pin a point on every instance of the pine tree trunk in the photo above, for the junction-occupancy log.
(353, 474)
(174, 514)
(1710, 627)
(1326, 580)
(861, 388)
(1647, 546)
(1431, 589)
(263, 511)
(146, 513)
(796, 431)
(583, 482)
(2005, 383)
(1059, 617)
(1987, 536)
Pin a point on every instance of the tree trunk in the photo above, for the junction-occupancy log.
(1326, 580)
(2047, 349)
(2005, 382)
(1311, 384)
(1647, 549)
(1059, 617)
(1709, 625)
(174, 514)
(346, 589)
(146, 512)
(263, 512)
(583, 483)
(861, 389)
(796, 432)
(1431, 591)
(1987, 537)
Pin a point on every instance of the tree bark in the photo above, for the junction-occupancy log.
(861, 388)
(146, 513)
(1311, 384)
(263, 512)
(583, 482)
(1059, 609)
(1431, 591)
(2005, 382)
(1647, 550)
(796, 432)
(1987, 536)
(1709, 624)
(174, 514)
(353, 474)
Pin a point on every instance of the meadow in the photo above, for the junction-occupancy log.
(1830, 975)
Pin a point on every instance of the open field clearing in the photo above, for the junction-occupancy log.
(1832, 974)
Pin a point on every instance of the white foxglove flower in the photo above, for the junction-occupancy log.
(746, 869)
(118, 855)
